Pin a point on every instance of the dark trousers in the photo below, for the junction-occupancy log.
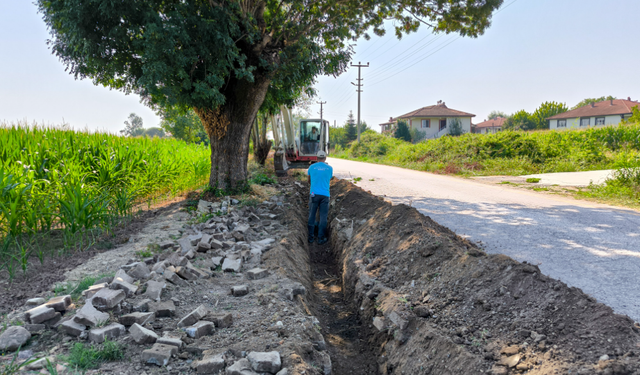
(319, 202)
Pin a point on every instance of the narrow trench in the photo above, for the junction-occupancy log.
(345, 335)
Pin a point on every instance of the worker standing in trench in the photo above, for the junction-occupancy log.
(320, 175)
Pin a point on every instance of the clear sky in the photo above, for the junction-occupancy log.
(535, 51)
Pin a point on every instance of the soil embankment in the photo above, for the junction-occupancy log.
(437, 304)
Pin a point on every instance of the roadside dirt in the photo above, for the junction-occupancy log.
(41, 277)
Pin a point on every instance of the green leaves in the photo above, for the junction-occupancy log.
(189, 53)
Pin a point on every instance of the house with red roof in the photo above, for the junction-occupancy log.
(489, 126)
(608, 112)
(434, 120)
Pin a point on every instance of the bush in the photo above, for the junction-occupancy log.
(402, 131)
(417, 135)
(455, 127)
(508, 152)
(262, 179)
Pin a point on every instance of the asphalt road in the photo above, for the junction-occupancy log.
(591, 246)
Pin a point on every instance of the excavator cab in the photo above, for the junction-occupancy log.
(297, 145)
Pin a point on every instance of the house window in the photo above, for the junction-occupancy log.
(585, 121)
(562, 123)
(599, 120)
(426, 124)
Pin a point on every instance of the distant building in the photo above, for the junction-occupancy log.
(608, 112)
(434, 120)
(489, 126)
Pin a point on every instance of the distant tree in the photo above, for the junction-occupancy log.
(133, 127)
(455, 127)
(594, 100)
(495, 114)
(183, 125)
(402, 131)
(546, 110)
(338, 137)
(635, 117)
(520, 120)
(350, 128)
(154, 132)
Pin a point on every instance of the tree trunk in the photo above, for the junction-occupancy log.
(261, 145)
(229, 128)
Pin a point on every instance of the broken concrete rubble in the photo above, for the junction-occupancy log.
(89, 316)
(113, 330)
(107, 299)
(193, 317)
(40, 314)
(154, 290)
(141, 335)
(60, 303)
(159, 354)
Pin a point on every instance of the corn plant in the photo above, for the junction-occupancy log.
(83, 184)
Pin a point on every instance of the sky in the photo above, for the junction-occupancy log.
(535, 51)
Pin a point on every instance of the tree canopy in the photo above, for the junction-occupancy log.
(225, 58)
(546, 110)
(495, 114)
(587, 101)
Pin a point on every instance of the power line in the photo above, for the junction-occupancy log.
(417, 62)
(436, 51)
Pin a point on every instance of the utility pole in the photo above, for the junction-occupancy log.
(321, 103)
(359, 86)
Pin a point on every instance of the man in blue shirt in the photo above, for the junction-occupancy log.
(320, 174)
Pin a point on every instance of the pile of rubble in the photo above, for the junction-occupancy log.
(202, 304)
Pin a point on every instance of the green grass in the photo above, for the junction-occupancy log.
(16, 365)
(84, 357)
(623, 188)
(76, 289)
(510, 153)
(83, 184)
(533, 180)
(515, 153)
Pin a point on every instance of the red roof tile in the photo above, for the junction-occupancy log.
(614, 107)
(495, 123)
(438, 110)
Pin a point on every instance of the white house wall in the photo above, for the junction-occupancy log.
(574, 123)
(416, 123)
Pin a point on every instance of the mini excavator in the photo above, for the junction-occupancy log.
(297, 144)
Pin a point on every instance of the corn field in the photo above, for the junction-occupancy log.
(81, 184)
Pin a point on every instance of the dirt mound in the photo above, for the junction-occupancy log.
(438, 304)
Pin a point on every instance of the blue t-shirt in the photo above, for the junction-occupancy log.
(321, 174)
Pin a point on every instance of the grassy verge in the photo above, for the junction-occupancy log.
(518, 153)
(82, 184)
(506, 153)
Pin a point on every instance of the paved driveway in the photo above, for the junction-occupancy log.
(591, 246)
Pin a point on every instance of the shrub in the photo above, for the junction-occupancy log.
(402, 131)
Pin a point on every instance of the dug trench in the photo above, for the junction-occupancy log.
(397, 293)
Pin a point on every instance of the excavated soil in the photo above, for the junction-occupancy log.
(437, 304)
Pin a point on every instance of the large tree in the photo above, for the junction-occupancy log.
(220, 57)
(546, 110)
